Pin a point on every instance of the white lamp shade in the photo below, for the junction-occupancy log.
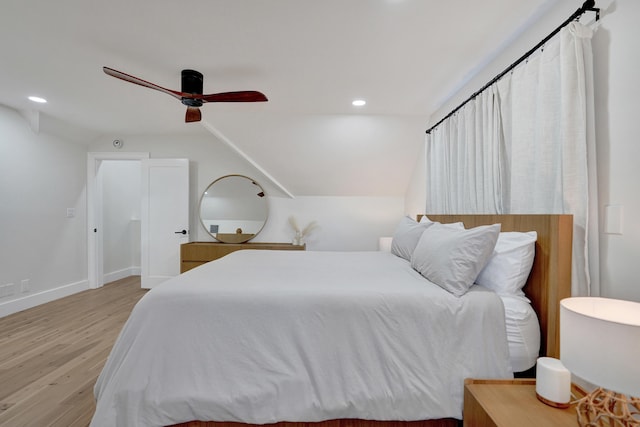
(384, 244)
(600, 342)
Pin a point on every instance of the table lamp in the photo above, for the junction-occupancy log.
(600, 343)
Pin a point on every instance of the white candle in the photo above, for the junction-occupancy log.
(553, 382)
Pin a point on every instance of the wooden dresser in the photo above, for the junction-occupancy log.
(197, 253)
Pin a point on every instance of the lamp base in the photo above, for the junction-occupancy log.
(552, 403)
(605, 408)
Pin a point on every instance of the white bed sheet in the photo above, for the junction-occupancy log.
(523, 333)
(266, 336)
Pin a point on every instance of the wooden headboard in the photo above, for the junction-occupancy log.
(550, 278)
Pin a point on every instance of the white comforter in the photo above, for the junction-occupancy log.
(266, 336)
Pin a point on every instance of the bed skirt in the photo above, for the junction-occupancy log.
(445, 422)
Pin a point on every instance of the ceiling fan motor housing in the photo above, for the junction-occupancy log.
(192, 83)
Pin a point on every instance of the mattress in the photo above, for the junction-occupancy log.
(266, 336)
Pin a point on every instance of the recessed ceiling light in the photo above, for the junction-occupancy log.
(358, 102)
(37, 99)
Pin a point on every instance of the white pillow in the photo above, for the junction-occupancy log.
(452, 258)
(425, 220)
(508, 268)
(454, 225)
(406, 237)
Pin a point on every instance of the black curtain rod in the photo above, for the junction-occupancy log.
(588, 6)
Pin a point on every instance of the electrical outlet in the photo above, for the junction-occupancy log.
(24, 285)
(71, 212)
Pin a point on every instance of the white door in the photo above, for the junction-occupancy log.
(164, 218)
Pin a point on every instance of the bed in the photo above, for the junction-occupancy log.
(321, 337)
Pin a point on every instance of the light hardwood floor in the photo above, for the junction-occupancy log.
(51, 355)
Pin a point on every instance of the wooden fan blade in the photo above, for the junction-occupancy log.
(241, 96)
(193, 115)
(132, 79)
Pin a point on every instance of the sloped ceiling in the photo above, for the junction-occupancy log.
(310, 57)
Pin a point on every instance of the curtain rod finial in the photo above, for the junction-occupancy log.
(589, 4)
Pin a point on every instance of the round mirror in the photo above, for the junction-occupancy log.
(233, 209)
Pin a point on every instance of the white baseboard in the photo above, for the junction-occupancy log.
(32, 300)
(121, 274)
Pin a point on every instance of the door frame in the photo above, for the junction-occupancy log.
(95, 250)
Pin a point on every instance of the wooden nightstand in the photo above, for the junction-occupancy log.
(509, 403)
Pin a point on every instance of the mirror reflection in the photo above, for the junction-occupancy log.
(233, 209)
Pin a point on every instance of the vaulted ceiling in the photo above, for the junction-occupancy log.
(310, 57)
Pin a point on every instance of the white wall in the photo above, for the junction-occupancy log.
(40, 177)
(416, 194)
(345, 223)
(616, 67)
(617, 92)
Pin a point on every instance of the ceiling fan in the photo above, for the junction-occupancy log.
(191, 94)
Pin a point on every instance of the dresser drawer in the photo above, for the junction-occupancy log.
(197, 253)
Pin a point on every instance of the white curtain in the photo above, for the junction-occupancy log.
(466, 160)
(527, 145)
